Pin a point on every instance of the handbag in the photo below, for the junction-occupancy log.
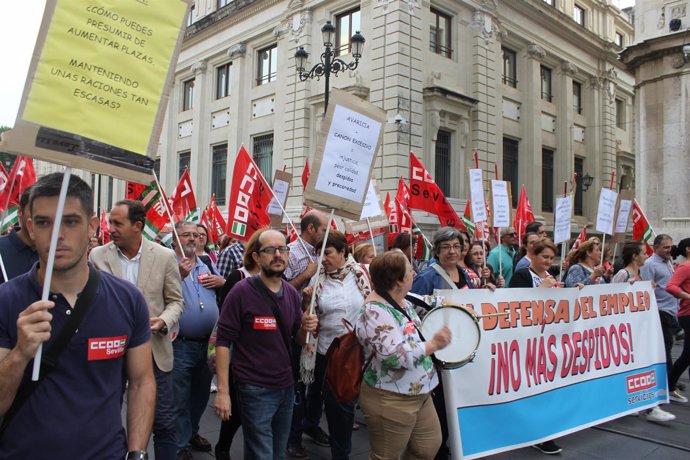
(50, 357)
(345, 365)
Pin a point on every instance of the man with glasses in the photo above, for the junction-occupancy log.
(501, 257)
(191, 375)
(261, 320)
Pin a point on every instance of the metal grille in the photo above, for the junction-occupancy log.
(510, 166)
(263, 154)
(547, 180)
(219, 172)
(442, 161)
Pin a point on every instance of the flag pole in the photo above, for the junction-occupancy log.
(55, 233)
(167, 210)
(4, 272)
(563, 243)
(371, 236)
(318, 268)
(603, 234)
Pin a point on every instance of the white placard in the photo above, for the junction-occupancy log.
(606, 211)
(477, 196)
(350, 148)
(280, 191)
(623, 215)
(501, 202)
(561, 219)
(372, 206)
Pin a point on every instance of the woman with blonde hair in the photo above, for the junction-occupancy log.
(585, 265)
(364, 253)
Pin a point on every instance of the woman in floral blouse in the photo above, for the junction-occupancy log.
(396, 392)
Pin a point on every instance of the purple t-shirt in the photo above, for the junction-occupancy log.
(259, 354)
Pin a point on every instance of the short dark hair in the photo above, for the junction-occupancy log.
(311, 218)
(402, 241)
(445, 234)
(50, 185)
(24, 198)
(660, 238)
(336, 240)
(136, 211)
(388, 269)
(533, 227)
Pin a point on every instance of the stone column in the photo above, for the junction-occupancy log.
(200, 162)
(529, 166)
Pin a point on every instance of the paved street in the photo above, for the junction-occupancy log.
(627, 438)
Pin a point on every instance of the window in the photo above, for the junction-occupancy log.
(187, 94)
(222, 3)
(579, 170)
(619, 39)
(546, 84)
(268, 65)
(509, 68)
(620, 113)
(218, 172)
(579, 15)
(183, 161)
(223, 80)
(263, 154)
(439, 33)
(442, 164)
(546, 180)
(510, 166)
(549, 2)
(190, 18)
(577, 97)
(346, 25)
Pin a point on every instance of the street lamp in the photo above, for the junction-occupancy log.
(587, 181)
(329, 64)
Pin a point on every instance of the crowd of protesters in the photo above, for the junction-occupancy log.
(272, 312)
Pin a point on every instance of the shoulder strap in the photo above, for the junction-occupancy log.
(444, 274)
(276, 312)
(49, 360)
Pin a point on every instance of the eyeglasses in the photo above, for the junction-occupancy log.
(448, 247)
(201, 235)
(272, 250)
(189, 235)
(511, 234)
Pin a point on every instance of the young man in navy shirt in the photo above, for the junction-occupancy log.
(74, 411)
(261, 361)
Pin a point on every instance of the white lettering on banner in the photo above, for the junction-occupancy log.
(241, 212)
(417, 175)
(187, 189)
(544, 349)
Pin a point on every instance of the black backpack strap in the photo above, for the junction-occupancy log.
(258, 284)
(49, 360)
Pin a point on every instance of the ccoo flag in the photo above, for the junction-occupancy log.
(250, 196)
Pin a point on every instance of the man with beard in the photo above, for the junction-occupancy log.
(74, 410)
(191, 375)
(261, 319)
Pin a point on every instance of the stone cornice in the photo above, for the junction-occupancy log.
(653, 49)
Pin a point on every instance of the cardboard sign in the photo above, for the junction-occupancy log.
(501, 203)
(623, 215)
(98, 85)
(350, 136)
(606, 211)
(561, 219)
(281, 190)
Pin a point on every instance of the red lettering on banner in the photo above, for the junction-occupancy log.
(265, 323)
(106, 347)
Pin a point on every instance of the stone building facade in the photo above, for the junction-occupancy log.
(535, 86)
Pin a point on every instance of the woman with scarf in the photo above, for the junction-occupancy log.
(340, 290)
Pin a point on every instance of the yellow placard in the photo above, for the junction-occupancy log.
(103, 69)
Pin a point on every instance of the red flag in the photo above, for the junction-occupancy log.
(216, 219)
(581, 238)
(250, 196)
(426, 195)
(21, 177)
(523, 214)
(305, 174)
(402, 204)
(4, 181)
(183, 200)
(642, 231)
(105, 234)
(134, 190)
(392, 214)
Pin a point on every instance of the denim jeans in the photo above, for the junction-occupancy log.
(192, 385)
(266, 418)
(164, 429)
(667, 325)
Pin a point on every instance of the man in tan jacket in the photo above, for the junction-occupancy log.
(154, 270)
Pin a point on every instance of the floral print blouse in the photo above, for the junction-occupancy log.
(399, 363)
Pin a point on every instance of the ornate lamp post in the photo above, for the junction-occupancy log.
(329, 64)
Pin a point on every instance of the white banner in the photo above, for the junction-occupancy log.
(561, 219)
(623, 216)
(606, 211)
(501, 202)
(554, 362)
(477, 196)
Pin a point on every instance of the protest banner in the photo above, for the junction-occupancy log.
(98, 85)
(281, 190)
(552, 362)
(477, 196)
(625, 200)
(606, 211)
(350, 136)
(501, 203)
(561, 219)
